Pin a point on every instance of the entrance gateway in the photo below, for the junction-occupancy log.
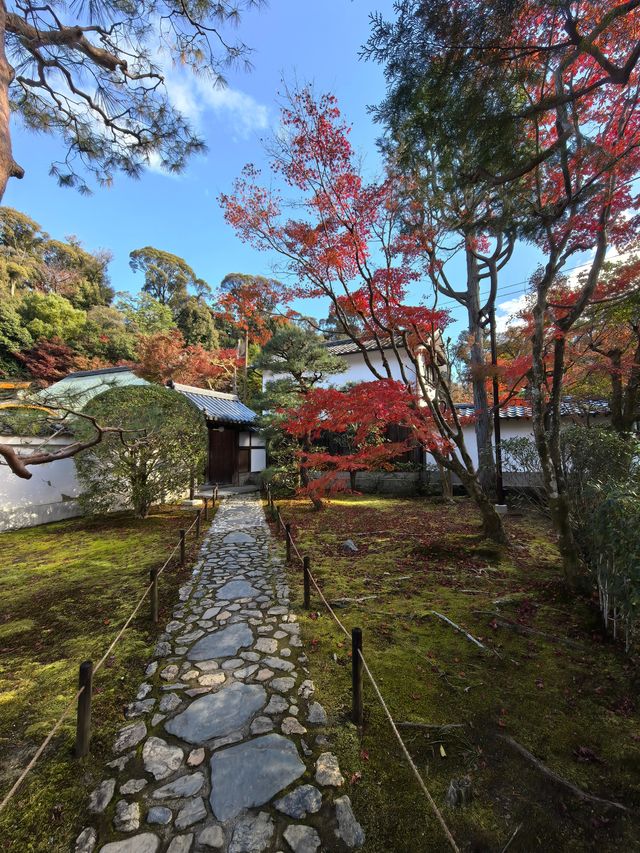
(236, 450)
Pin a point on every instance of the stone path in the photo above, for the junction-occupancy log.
(226, 749)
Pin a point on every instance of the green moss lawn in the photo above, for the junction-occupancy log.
(65, 590)
(552, 682)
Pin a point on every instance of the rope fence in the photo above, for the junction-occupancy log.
(82, 698)
(359, 664)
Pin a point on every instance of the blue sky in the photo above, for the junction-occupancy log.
(294, 40)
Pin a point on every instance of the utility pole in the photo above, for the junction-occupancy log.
(246, 363)
(500, 497)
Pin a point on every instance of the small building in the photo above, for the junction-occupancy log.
(516, 422)
(237, 451)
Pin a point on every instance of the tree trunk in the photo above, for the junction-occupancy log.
(492, 526)
(486, 465)
(631, 396)
(445, 482)
(617, 418)
(8, 167)
(304, 477)
(547, 440)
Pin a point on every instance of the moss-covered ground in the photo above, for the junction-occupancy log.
(549, 679)
(65, 590)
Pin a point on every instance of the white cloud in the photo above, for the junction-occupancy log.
(196, 97)
(506, 311)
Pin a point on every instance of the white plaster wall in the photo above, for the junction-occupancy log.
(509, 428)
(48, 496)
(357, 370)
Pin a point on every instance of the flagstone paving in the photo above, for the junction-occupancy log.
(226, 750)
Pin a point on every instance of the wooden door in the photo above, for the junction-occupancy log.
(223, 455)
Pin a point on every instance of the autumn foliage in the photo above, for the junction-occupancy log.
(165, 356)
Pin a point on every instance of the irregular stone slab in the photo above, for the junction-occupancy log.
(162, 649)
(284, 684)
(218, 714)
(136, 709)
(317, 715)
(160, 759)
(302, 839)
(211, 836)
(101, 796)
(127, 816)
(306, 689)
(252, 834)
(278, 663)
(129, 736)
(223, 643)
(133, 786)
(245, 671)
(184, 786)
(237, 589)
(251, 773)
(349, 830)
(191, 637)
(159, 815)
(264, 675)
(145, 843)
(328, 770)
(86, 841)
(120, 763)
(196, 757)
(277, 704)
(261, 725)
(193, 811)
(266, 645)
(238, 539)
(169, 673)
(170, 702)
(212, 679)
(181, 844)
(208, 665)
(290, 726)
(299, 803)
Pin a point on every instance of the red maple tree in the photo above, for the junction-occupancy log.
(165, 356)
(344, 241)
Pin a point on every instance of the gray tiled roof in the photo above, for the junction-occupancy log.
(567, 408)
(101, 371)
(347, 346)
(216, 406)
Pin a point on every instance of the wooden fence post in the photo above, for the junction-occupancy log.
(356, 676)
(153, 577)
(198, 517)
(83, 722)
(287, 533)
(183, 546)
(307, 582)
(206, 509)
